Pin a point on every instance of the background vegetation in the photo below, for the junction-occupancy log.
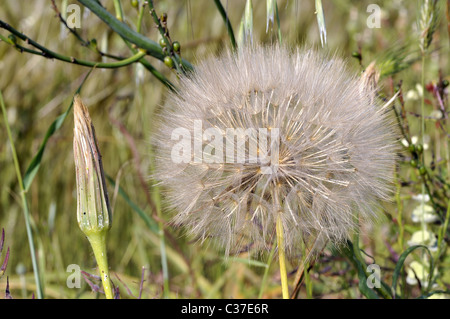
(122, 103)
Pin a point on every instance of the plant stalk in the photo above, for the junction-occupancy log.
(26, 213)
(98, 244)
(282, 258)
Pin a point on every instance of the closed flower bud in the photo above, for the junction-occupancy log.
(93, 209)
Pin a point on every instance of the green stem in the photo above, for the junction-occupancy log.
(225, 18)
(118, 9)
(444, 228)
(282, 258)
(140, 16)
(97, 240)
(399, 214)
(422, 127)
(54, 55)
(26, 213)
(278, 22)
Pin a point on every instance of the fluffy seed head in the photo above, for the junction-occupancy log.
(332, 156)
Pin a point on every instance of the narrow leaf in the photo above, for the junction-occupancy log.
(401, 261)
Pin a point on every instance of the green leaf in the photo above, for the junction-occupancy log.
(348, 251)
(151, 223)
(33, 168)
(363, 287)
(401, 261)
(225, 18)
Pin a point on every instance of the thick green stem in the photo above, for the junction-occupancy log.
(282, 258)
(98, 244)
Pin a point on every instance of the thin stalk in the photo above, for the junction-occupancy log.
(26, 213)
(118, 9)
(399, 214)
(278, 22)
(422, 127)
(422, 107)
(43, 51)
(98, 243)
(282, 258)
(266, 272)
(444, 228)
(306, 275)
(140, 16)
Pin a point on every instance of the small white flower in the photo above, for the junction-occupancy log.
(426, 238)
(415, 139)
(436, 114)
(419, 89)
(420, 197)
(411, 95)
(417, 270)
(405, 142)
(425, 214)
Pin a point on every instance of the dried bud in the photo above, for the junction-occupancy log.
(369, 81)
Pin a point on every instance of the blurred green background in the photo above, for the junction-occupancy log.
(122, 103)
